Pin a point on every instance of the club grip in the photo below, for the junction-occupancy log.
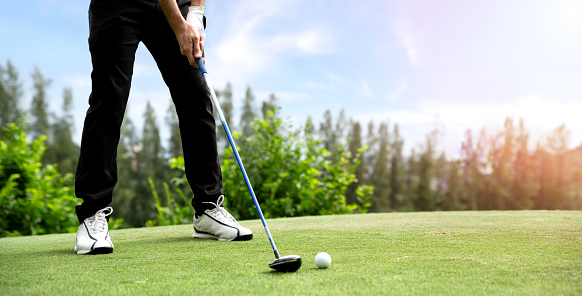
(201, 65)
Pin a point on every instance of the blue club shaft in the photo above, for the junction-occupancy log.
(240, 164)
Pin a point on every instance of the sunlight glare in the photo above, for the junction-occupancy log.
(570, 15)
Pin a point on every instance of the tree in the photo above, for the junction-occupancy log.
(411, 182)
(309, 127)
(470, 168)
(330, 134)
(452, 197)
(524, 186)
(61, 149)
(441, 176)
(39, 107)
(327, 133)
(150, 163)
(424, 193)
(175, 141)
(380, 177)
(502, 162)
(225, 99)
(341, 125)
(248, 114)
(152, 150)
(129, 177)
(356, 161)
(10, 94)
(471, 172)
(226, 102)
(370, 155)
(396, 169)
(269, 105)
(554, 180)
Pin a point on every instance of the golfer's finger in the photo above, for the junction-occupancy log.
(197, 48)
(191, 59)
(187, 51)
(197, 52)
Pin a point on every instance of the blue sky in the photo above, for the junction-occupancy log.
(448, 64)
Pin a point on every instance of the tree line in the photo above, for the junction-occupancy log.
(496, 170)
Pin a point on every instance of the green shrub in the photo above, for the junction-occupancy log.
(33, 199)
(173, 213)
(291, 173)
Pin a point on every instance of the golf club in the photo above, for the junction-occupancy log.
(289, 263)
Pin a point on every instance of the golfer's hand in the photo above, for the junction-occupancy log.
(191, 43)
(195, 18)
(189, 36)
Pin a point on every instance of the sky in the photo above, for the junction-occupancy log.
(450, 65)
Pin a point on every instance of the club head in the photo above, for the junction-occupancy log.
(289, 263)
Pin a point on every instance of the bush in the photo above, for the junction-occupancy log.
(291, 173)
(174, 213)
(33, 199)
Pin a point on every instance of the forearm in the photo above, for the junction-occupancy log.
(189, 32)
(197, 2)
(172, 12)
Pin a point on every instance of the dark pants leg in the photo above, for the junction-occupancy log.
(194, 108)
(116, 28)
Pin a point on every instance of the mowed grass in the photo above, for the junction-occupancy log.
(439, 253)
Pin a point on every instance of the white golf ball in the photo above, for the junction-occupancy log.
(322, 260)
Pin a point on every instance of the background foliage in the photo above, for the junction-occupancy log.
(341, 165)
(291, 173)
(34, 199)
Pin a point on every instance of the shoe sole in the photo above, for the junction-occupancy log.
(96, 251)
(210, 236)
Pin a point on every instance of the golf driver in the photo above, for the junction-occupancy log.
(289, 263)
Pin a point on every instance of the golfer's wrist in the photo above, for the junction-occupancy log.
(195, 17)
(178, 25)
(199, 10)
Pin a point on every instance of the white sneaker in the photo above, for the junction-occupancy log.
(219, 224)
(93, 234)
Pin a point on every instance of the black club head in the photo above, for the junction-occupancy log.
(289, 263)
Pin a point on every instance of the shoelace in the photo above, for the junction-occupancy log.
(219, 209)
(99, 219)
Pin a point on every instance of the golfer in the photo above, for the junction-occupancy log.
(173, 32)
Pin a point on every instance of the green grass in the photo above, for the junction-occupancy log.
(442, 253)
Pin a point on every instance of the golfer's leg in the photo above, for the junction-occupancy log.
(113, 41)
(194, 108)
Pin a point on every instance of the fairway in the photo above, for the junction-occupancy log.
(437, 253)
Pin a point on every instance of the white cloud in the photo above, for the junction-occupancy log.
(394, 95)
(246, 49)
(364, 90)
(314, 85)
(239, 53)
(405, 117)
(145, 67)
(534, 109)
(403, 32)
(78, 80)
(337, 83)
(541, 116)
(70, 7)
(312, 42)
(285, 96)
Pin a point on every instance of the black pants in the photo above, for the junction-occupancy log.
(116, 29)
